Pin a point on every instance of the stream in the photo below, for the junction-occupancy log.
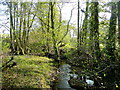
(64, 76)
(67, 80)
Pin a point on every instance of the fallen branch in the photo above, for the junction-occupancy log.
(6, 64)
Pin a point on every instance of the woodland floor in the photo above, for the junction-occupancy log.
(30, 72)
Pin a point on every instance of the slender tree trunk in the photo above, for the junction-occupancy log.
(11, 30)
(20, 30)
(85, 25)
(15, 27)
(92, 29)
(48, 29)
(78, 27)
(53, 33)
(118, 27)
(96, 28)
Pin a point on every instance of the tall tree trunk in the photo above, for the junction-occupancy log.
(94, 31)
(111, 35)
(78, 27)
(48, 29)
(85, 25)
(53, 33)
(24, 30)
(118, 27)
(96, 28)
(20, 30)
(11, 29)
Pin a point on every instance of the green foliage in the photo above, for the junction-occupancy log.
(68, 50)
(5, 44)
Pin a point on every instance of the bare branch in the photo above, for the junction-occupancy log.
(5, 26)
(67, 27)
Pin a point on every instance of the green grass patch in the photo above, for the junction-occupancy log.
(30, 72)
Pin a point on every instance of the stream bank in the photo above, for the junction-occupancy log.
(68, 79)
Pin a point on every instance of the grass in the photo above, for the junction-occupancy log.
(30, 72)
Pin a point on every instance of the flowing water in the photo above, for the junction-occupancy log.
(64, 76)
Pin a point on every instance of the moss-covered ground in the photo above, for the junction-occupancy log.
(30, 72)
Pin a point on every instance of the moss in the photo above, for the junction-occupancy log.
(30, 72)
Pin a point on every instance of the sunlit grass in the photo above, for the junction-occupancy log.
(30, 72)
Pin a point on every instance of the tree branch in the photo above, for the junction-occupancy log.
(67, 27)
